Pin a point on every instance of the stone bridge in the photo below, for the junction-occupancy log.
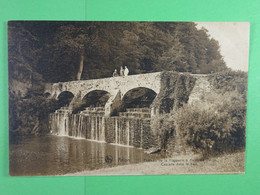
(117, 87)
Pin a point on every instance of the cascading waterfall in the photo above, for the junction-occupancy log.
(102, 129)
(96, 127)
(116, 131)
(125, 129)
(92, 130)
(141, 136)
(128, 133)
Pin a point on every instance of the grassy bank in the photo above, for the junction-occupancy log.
(225, 164)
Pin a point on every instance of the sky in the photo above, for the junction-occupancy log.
(233, 39)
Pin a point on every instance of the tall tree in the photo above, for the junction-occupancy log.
(89, 50)
(76, 41)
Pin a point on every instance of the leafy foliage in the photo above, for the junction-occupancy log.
(23, 50)
(221, 128)
(163, 127)
(175, 91)
(212, 129)
(229, 81)
(30, 115)
(142, 46)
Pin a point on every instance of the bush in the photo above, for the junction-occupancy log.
(229, 81)
(163, 128)
(215, 130)
(30, 116)
(215, 124)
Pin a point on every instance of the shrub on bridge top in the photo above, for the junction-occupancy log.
(175, 91)
(230, 81)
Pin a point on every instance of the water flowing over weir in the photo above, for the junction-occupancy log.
(130, 128)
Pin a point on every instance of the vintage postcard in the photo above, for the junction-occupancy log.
(127, 98)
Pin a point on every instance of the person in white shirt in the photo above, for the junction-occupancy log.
(126, 72)
(122, 71)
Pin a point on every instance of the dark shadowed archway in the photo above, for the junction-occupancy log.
(96, 98)
(65, 98)
(140, 97)
(47, 95)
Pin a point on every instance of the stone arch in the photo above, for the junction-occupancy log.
(57, 94)
(65, 98)
(47, 94)
(154, 86)
(96, 98)
(139, 97)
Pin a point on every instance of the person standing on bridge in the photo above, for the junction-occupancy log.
(115, 74)
(126, 72)
(122, 71)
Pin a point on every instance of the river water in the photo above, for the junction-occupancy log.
(59, 155)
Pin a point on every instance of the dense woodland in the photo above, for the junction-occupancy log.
(43, 52)
(54, 51)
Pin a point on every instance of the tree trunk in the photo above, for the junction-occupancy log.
(80, 67)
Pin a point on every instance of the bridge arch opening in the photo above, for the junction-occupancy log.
(140, 97)
(64, 98)
(95, 98)
(47, 94)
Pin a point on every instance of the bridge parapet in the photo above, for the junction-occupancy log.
(117, 87)
(111, 85)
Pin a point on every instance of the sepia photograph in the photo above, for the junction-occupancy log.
(127, 98)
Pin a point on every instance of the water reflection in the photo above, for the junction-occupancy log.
(56, 155)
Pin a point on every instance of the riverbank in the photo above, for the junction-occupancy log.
(225, 164)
